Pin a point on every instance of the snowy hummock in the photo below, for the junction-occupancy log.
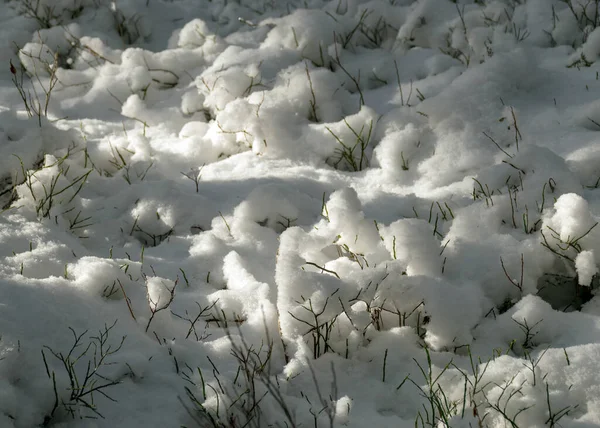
(288, 214)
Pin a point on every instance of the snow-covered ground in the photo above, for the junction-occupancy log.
(270, 213)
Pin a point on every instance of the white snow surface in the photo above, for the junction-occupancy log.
(252, 213)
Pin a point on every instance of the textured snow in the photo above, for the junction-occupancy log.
(369, 207)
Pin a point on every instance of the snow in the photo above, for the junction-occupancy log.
(585, 263)
(248, 213)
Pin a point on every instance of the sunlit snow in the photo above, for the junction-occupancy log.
(270, 213)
